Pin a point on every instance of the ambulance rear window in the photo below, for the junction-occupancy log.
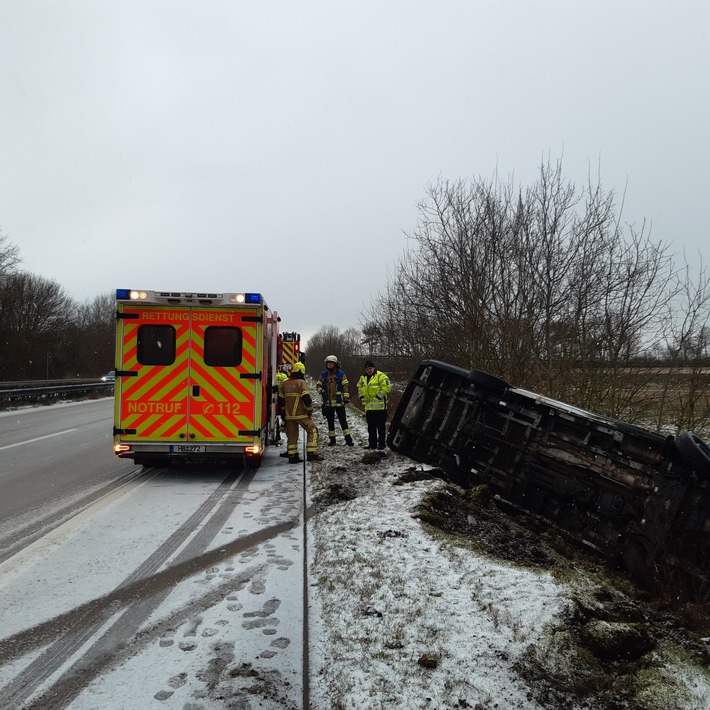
(156, 345)
(223, 346)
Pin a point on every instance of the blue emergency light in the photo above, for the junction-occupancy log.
(252, 298)
(123, 294)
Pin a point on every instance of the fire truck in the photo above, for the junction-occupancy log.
(195, 377)
(289, 350)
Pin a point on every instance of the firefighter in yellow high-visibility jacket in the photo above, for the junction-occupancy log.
(281, 377)
(297, 406)
(373, 388)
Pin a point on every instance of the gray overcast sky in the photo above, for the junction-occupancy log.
(281, 147)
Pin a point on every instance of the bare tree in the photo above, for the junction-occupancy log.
(94, 334)
(9, 256)
(539, 286)
(685, 389)
(35, 317)
(329, 340)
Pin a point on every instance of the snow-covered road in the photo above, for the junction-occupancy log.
(146, 596)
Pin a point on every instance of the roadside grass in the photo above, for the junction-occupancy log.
(393, 620)
(656, 660)
(667, 400)
(391, 604)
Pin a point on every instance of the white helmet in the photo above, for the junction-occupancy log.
(332, 358)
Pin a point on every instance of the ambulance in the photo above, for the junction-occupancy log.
(195, 375)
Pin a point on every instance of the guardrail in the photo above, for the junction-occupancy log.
(44, 390)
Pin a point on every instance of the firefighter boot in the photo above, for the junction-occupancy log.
(332, 441)
(349, 440)
(314, 457)
(295, 459)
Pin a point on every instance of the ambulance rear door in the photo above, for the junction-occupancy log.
(224, 376)
(153, 358)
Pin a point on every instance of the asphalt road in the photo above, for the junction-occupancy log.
(50, 459)
(126, 587)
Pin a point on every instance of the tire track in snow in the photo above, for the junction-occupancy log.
(33, 532)
(77, 627)
(71, 684)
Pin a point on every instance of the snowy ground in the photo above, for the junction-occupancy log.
(403, 618)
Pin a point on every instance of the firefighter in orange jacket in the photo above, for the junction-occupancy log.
(297, 406)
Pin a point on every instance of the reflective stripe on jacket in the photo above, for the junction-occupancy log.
(373, 390)
(333, 387)
(296, 398)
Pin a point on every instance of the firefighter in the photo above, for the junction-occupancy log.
(297, 406)
(334, 389)
(281, 376)
(373, 388)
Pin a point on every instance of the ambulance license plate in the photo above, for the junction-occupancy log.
(187, 449)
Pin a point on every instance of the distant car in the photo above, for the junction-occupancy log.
(110, 376)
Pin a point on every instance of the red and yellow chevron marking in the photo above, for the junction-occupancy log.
(155, 403)
(290, 352)
(227, 403)
(189, 401)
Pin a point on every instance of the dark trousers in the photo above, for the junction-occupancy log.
(330, 413)
(376, 420)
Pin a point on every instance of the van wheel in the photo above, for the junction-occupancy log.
(695, 453)
(489, 382)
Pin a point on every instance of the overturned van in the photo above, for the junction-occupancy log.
(623, 490)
